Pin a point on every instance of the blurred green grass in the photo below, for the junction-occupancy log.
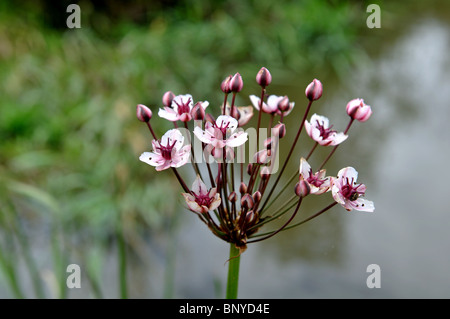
(69, 137)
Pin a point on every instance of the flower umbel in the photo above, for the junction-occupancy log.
(235, 200)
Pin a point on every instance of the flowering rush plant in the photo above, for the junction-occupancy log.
(236, 169)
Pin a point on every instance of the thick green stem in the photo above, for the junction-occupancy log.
(233, 272)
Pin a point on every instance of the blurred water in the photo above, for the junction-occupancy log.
(402, 156)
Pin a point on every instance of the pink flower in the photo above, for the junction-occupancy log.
(180, 109)
(200, 199)
(218, 133)
(358, 110)
(271, 107)
(319, 130)
(168, 152)
(346, 192)
(318, 183)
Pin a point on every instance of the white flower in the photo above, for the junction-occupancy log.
(319, 130)
(346, 192)
(221, 133)
(168, 152)
(180, 109)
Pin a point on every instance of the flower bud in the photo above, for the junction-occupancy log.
(225, 86)
(247, 202)
(232, 197)
(284, 105)
(198, 112)
(236, 84)
(264, 173)
(263, 77)
(168, 98)
(257, 196)
(143, 113)
(268, 143)
(261, 157)
(279, 130)
(243, 188)
(250, 217)
(235, 113)
(249, 169)
(314, 90)
(302, 188)
(358, 110)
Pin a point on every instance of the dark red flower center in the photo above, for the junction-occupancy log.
(203, 199)
(350, 190)
(324, 132)
(183, 107)
(222, 128)
(166, 151)
(315, 180)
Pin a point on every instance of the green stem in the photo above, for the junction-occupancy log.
(233, 272)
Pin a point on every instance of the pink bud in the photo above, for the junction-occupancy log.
(263, 77)
(243, 188)
(261, 157)
(302, 188)
(225, 86)
(268, 143)
(198, 112)
(314, 90)
(257, 196)
(143, 113)
(264, 173)
(250, 217)
(236, 114)
(284, 105)
(236, 83)
(249, 169)
(247, 201)
(358, 110)
(279, 130)
(168, 98)
(232, 197)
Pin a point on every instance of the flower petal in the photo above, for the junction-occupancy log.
(348, 172)
(363, 205)
(305, 168)
(224, 120)
(198, 187)
(204, 136)
(151, 158)
(256, 101)
(237, 139)
(168, 114)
